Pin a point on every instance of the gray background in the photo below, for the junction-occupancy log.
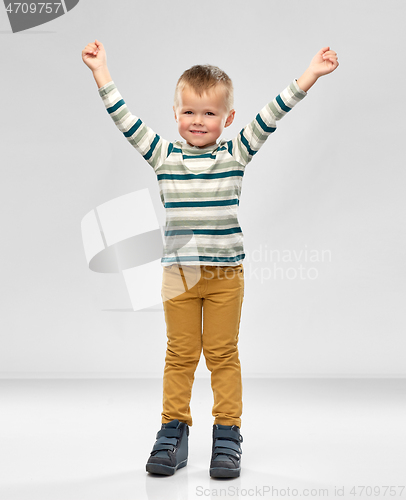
(331, 178)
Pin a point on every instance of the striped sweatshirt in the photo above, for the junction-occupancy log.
(200, 188)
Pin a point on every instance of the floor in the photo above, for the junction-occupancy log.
(90, 439)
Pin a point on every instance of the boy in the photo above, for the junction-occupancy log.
(200, 185)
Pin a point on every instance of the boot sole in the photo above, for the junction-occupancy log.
(224, 472)
(165, 470)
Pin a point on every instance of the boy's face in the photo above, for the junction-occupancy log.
(201, 119)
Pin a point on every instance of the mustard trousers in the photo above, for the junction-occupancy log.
(202, 307)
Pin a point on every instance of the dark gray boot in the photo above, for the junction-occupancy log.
(226, 451)
(170, 451)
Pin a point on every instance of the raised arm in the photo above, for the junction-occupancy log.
(253, 136)
(153, 148)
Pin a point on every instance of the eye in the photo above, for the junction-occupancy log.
(210, 113)
(188, 112)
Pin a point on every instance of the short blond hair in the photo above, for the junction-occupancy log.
(200, 78)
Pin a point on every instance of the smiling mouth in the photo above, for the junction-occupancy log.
(198, 132)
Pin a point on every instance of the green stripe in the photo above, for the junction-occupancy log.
(184, 177)
(278, 114)
(264, 127)
(214, 203)
(299, 95)
(178, 232)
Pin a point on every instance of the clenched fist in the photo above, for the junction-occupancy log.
(94, 56)
(324, 62)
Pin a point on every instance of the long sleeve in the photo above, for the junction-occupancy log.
(150, 145)
(252, 137)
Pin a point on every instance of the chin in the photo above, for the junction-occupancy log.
(202, 142)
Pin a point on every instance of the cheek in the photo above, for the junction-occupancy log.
(218, 125)
(183, 121)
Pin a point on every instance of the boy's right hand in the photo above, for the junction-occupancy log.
(94, 56)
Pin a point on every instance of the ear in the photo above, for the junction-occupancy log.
(230, 118)
(174, 112)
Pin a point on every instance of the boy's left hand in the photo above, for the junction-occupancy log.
(324, 62)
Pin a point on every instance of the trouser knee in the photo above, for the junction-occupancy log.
(183, 355)
(220, 357)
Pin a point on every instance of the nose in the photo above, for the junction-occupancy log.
(197, 119)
